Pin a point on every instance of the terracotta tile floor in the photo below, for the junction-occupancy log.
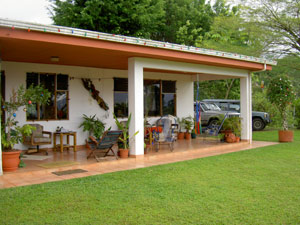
(183, 150)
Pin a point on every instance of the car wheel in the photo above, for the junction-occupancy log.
(213, 122)
(258, 124)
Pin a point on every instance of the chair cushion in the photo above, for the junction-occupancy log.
(41, 139)
(39, 130)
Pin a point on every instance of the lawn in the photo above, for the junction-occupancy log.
(260, 186)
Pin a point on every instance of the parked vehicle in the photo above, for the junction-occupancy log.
(210, 113)
(259, 119)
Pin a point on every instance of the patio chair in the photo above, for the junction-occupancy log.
(38, 137)
(167, 135)
(214, 129)
(104, 145)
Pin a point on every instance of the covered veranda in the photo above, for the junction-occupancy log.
(36, 44)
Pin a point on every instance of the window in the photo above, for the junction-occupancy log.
(57, 85)
(159, 97)
(121, 97)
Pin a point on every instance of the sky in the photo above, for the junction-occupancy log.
(26, 10)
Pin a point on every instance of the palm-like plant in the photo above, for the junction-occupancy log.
(93, 125)
(124, 127)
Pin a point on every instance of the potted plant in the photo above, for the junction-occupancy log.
(188, 123)
(281, 94)
(232, 129)
(93, 125)
(12, 134)
(193, 134)
(181, 126)
(125, 138)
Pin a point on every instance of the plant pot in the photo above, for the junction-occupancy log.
(147, 149)
(180, 136)
(193, 135)
(10, 161)
(124, 153)
(286, 135)
(230, 138)
(237, 139)
(187, 136)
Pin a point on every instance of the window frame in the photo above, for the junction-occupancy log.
(55, 97)
(161, 95)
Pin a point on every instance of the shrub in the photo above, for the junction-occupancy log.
(281, 94)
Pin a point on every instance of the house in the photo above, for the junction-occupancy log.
(121, 68)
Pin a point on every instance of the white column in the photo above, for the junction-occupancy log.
(136, 106)
(246, 107)
(1, 170)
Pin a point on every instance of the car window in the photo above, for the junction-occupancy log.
(210, 107)
(234, 107)
(223, 106)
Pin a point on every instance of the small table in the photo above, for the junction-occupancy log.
(61, 145)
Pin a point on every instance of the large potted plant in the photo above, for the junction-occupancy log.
(232, 129)
(93, 125)
(189, 124)
(12, 134)
(281, 94)
(124, 138)
(181, 127)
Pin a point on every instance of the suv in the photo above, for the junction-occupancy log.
(210, 113)
(259, 119)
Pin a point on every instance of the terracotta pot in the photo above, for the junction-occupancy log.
(180, 136)
(187, 136)
(124, 153)
(10, 161)
(237, 139)
(230, 138)
(286, 135)
(147, 149)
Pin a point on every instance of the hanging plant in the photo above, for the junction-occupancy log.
(88, 84)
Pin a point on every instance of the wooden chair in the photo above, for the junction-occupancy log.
(104, 145)
(38, 137)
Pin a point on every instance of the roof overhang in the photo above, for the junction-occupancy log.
(35, 46)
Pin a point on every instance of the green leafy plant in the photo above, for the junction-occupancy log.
(233, 124)
(181, 124)
(12, 134)
(281, 94)
(124, 127)
(93, 125)
(188, 123)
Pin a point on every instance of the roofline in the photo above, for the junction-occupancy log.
(128, 40)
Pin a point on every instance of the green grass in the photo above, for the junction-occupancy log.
(259, 186)
(272, 135)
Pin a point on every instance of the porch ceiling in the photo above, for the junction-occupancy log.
(37, 47)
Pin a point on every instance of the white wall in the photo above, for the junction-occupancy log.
(80, 100)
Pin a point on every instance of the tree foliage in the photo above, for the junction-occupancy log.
(176, 21)
(281, 20)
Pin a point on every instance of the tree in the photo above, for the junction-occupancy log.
(131, 17)
(281, 20)
(175, 21)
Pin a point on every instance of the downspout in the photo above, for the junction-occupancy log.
(264, 69)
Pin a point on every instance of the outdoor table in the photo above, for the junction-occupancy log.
(61, 144)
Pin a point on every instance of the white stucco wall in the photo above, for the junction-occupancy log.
(80, 100)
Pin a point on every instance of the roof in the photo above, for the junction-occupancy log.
(31, 42)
